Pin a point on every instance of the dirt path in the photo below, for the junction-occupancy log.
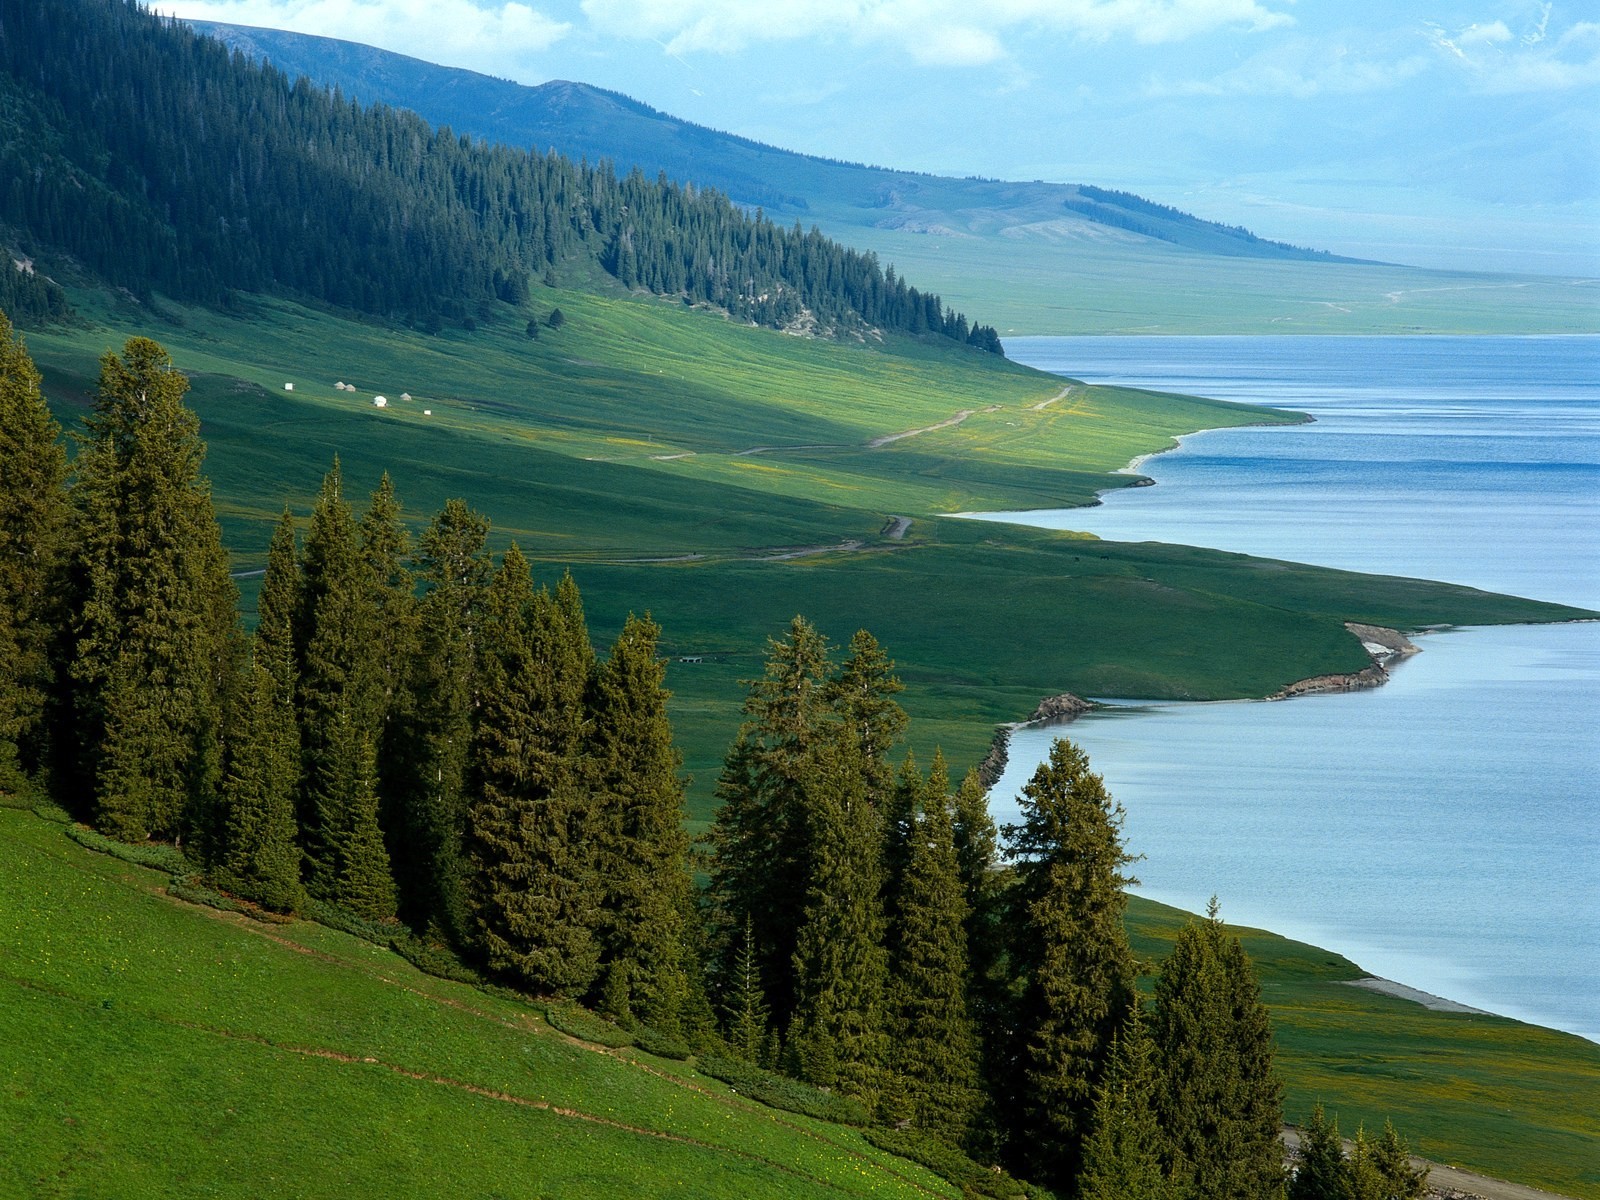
(896, 529)
(1044, 404)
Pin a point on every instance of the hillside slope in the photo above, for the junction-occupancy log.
(1030, 257)
(588, 122)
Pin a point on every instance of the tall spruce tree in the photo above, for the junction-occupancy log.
(340, 699)
(454, 564)
(531, 887)
(861, 695)
(761, 839)
(259, 855)
(641, 851)
(157, 632)
(1123, 1158)
(33, 524)
(1072, 956)
(933, 1056)
(836, 1036)
(1220, 1102)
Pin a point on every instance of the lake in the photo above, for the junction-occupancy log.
(1443, 830)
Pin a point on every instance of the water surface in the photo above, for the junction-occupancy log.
(1444, 830)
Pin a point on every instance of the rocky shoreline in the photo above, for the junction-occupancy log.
(1385, 647)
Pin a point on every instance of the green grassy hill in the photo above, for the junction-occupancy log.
(727, 477)
(150, 1047)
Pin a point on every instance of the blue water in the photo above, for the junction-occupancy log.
(1444, 830)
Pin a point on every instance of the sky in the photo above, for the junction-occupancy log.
(1457, 133)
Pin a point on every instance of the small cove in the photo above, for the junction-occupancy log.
(1441, 831)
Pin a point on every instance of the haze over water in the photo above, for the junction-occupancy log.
(1443, 830)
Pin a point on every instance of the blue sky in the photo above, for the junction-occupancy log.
(1461, 134)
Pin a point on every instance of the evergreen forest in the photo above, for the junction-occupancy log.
(162, 163)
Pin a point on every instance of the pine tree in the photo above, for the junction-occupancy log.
(1122, 1159)
(33, 523)
(641, 851)
(260, 855)
(836, 1037)
(862, 695)
(276, 605)
(455, 565)
(761, 856)
(933, 1044)
(339, 701)
(1319, 1166)
(745, 1013)
(157, 634)
(363, 881)
(1072, 956)
(1391, 1155)
(1220, 1102)
(532, 888)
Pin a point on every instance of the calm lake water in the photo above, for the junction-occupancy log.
(1444, 830)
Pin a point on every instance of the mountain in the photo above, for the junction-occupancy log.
(591, 123)
(164, 164)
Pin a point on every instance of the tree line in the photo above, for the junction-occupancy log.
(415, 732)
(163, 163)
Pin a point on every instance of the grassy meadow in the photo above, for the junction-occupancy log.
(150, 1047)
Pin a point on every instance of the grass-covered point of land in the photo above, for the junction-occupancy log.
(727, 477)
(150, 1047)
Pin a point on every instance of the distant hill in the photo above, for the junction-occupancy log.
(581, 121)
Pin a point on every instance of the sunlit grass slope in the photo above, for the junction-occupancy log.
(151, 1048)
(727, 477)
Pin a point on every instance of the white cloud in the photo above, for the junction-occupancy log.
(494, 37)
(1496, 60)
(932, 32)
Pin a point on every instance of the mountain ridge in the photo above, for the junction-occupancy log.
(584, 121)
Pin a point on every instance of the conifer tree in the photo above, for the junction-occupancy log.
(933, 1055)
(259, 857)
(1391, 1155)
(836, 1037)
(862, 695)
(745, 1012)
(1220, 1102)
(339, 700)
(454, 564)
(532, 887)
(157, 630)
(1122, 1159)
(33, 524)
(641, 851)
(1072, 956)
(761, 857)
(363, 881)
(1319, 1166)
(276, 605)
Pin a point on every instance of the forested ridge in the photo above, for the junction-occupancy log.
(421, 743)
(164, 164)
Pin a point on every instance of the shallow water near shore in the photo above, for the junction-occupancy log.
(1443, 830)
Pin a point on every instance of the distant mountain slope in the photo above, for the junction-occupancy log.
(587, 122)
